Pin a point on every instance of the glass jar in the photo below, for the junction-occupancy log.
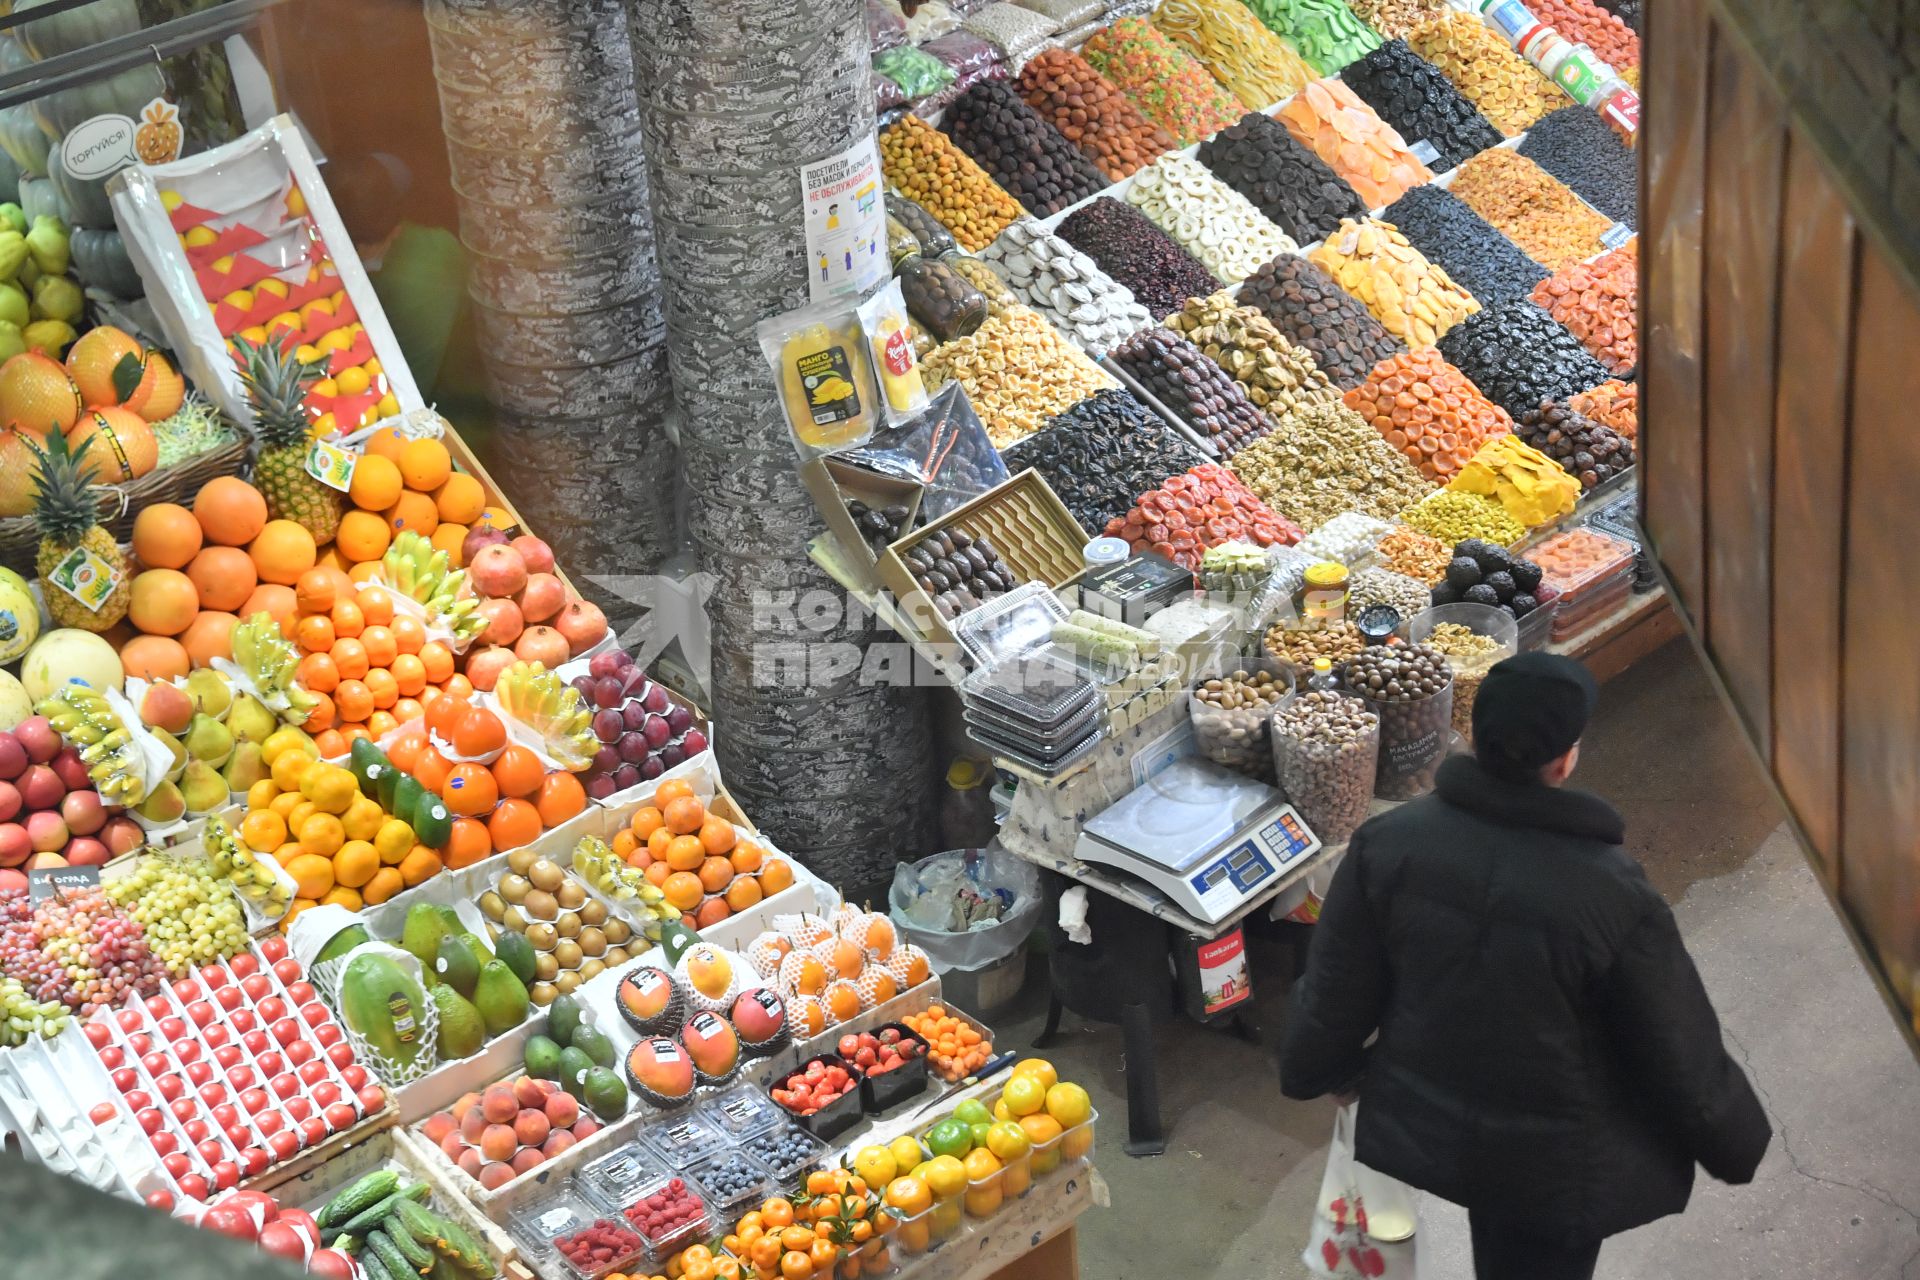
(1323, 595)
(940, 298)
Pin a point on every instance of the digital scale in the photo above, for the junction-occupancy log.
(1208, 838)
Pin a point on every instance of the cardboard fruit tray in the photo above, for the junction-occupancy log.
(833, 483)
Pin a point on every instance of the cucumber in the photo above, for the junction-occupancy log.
(381, 1246)
(472, 1256)
(418, 1255)
(422, 1223)
(447, 1238)
(374, 1215)
(373, 1268)
(361, 1194)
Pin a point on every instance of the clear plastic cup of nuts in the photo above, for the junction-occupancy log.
(1410, 687)
(1231, 714)
(1325, 748)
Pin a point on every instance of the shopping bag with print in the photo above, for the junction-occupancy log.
(1363, 1222)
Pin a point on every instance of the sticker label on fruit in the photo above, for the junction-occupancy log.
(331, 465)
(86, 577)
(48, 882)
(846, 222)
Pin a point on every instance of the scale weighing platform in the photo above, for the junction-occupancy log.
(1208, 838)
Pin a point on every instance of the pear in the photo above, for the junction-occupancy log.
(163, 804)
(208, 741)
(179, 752)
(210, 693)
(166, 707)
(249, 721)
(202, 787)
(245, 767)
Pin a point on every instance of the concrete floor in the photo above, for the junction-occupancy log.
(1839, 1193)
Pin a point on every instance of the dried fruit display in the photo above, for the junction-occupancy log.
(1530, 207)
(1328, 118)
(1257, 65)
(1428, 410)
(1173, 90)
(1577, 147)
(1597, 303)
(1506, 88)
(1414, 299)
(1090, 111)
(1203, 508)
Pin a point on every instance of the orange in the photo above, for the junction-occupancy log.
(386, 882)
(378, 642)
(685, 853)
(432, 770)
(452, 539)
(517, 771)
(342, 897)
(312, 874)
(223, 577)
(657, 844)
(715, 874)
(413, 511)
(420, 864)
(366, 571)
(317, 673)
(325, 714)
(276, 600)
(316, 591)
(231, 512)
(331, 743)
(459, 686)
(717, 835)
(209, 636)
(376, 482)
(746, 857)
(348, 621)
(382, 688)
(497, 518)
(154, 658)
(166, 536)
(683, 890)
(281, 552)
(408, 634)
(775, 877)
(425, 465)
(470, 790)
(645, 821)
(438, 660)
(409, 676)
(460, 499)
(467, 843)
(672, 789)
(684, 814)
(362, 536)
(314, 633)
(350, 656)
(376, 606)
(355, 864)
(514, 823)
(561, 797)
(386, 443)
(319, 833)
(263, 831)
(163, 603)
(657, 873)
(744, 892)
(352, 701)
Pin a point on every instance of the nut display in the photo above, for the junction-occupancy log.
(1487, 264)
(880, 526)
(1168, 86)
(1583, 22)
(1279, 377)
(957, 571)
(1101, 452)
(1471, 655)
(1326, 32)
(1292, 187)
(940, 298)
(1188, 381)
(1201, 509)
(1065, 286)
(1454, 516)
(1311, 311)
(1428, 410)
(1529, 486)
(1410, 687)
(1133, 252)
(1324, 460)
(1325, 749)
(1346, 539)
(1530, 207)
(1371, 586)
(1414, 554)
(1257, 65)
(1613, 404)
(1092, 113)
(1019, 150)
(1596, 301)
(1328, 119)
(977, 273)
(1414, 300)
(925, 166)
(1590, 453)
(1410, 94)
(1518, 356)
(1018, 372)
(1297, 645)
(1210, 220)
(1484, 573)
(1230, 715)
(1504, 86)
(1393, 19)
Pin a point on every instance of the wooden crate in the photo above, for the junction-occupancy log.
(1024, 519)
(832, 482)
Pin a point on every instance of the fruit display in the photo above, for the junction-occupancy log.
(510, 1128)
(1482, 572)
(386, 1220)
(76, 951)
(1033, 1126)
(641, 732)
(51, 815)
(557, 713)
(88, 572)
(187, 909)
(571, 935)
(833, 970)
(956, 1048)
(259, 1219)
(693, 865)
(839, 1224)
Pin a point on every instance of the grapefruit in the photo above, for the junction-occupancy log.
(161, 390)
(36, 394)
(125, 448)
(16, 474)
(93, 359)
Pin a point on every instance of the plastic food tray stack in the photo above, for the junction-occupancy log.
(1598, 585)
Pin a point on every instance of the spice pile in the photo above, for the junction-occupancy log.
(1018, 372)
(1279, 377)
(1066, 287)
(1326, 118)
(1101, 452)
(1203, 508)
(1413, 299)
(1188, 382)
(1135, 253)
(1530, 207)
(1173, 90)
(1210, 220)
(1019, 150)
(1286, 182)
(1505, 87)
(927, 168)
(1518, 357)
(1250, 60)
(1481, 260)
(1091, 113)
(1576, 146)
(1325, 460)
(1311, 311)
(1596, 302)
(1409, 93)
(1324, 31)
(1428, 410)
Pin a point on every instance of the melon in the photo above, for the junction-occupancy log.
(15, 706)
(19, 616)
(66, 655)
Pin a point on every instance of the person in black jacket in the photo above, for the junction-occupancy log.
(1497, 979)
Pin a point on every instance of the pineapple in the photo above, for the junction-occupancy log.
(277, 385)
(65, 513)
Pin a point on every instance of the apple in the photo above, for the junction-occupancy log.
(257, 986)
(326, 1033)
(286, 1030)
(172, 1028)
(298, 1108)
(225, 1174)
(201, 1012)
(138, 1100)
(243, 964)
(161, 1200)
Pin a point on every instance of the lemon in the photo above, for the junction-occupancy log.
(307, 353)
(389, 406)
(254, 334)
(241, 299)
(352, 381)
(337, 340)
(1069, 1105)
(171, 200)
(272, 287)
(326, 388)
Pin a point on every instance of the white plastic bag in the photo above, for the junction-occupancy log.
(1354, 1203)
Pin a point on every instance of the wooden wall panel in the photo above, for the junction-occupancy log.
(1818, 242)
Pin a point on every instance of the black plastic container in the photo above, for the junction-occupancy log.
(887, 1090)
(836, 1117)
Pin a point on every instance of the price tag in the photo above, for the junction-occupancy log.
(331, 465)
(1425, 152)
(86, 577)
(1616, 235)
(49, 882)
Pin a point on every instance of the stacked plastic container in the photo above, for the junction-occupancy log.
(544, 140)
(1593, 571)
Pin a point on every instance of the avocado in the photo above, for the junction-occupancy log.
(431, 822)
(407, 794)
(574, 1066)
(563, 1015)
(543, 1058)
(367, 761)
(676, 938)
(605, 1094)
(516, 952)
(500, 997)
(462, 1031)
(420, 936)
(454, 965)
(593, 1042)
(342, 942)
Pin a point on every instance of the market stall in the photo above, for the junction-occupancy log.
(1206, 392)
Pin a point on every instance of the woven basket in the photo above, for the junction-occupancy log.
(120, 503)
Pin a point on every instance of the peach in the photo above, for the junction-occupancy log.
(499, 1105)
(527, 1158)
(122, 835)
(46, 832)
(438, 1126)
(495, 1176)
(499, 1142)
(473, 1124)
(453, 1146)
(528, 1093)
(561, 1110)
(557, 1141)
(470, 1162)
(531, 1128)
